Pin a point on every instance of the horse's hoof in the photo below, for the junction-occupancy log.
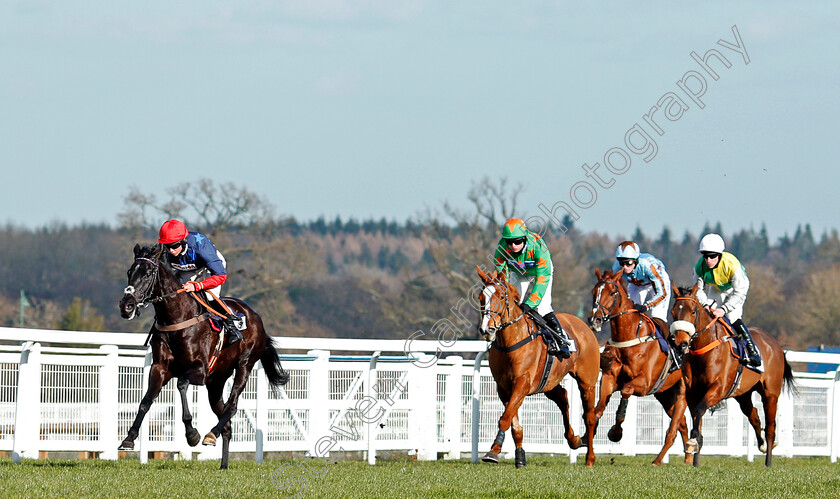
(763, 448)
(520, 458)
(615, 434)
(692, 447)
(491, 457)
(209, 439)
(576, 443)
(126, 445)
(193, 437)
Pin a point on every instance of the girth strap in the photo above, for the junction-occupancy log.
(182, 325)
(549, 363)
(519, 344)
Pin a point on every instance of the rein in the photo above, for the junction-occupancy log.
(609, 316)
(696, 334)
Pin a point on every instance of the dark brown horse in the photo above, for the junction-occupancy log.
(633, 362)
(518, 359)
(712, 372)
(182, 344)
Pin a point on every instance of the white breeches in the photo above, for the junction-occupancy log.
(713, 294)
(525, 284)
(640, 294)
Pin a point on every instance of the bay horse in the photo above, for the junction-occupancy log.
(183, 341)
(633, 361)
(518, 364)
(712, 372)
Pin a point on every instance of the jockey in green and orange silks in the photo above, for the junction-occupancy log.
(524, 259)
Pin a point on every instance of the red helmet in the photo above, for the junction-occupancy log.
(172, 231)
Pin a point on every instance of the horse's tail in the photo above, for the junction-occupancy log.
(788, 382)
(274, 371)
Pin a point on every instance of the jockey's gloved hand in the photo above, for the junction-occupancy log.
(526, 309)
(640, 307)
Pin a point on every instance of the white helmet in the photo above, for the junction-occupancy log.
(627, 249)
(711, 243)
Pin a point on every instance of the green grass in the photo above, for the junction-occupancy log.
(613, 476)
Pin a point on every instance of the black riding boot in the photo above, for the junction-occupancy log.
(753, 358)
(676, 355)
(233, 333)
(560, 345)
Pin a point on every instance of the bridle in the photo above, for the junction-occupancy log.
(490, 315)
(607, 313)
(133, 292)
(691, 327)
(142, 299)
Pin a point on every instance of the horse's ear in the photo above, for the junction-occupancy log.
(598, 273)
(694, 289)
(675, 289)
(482, 275)
(136, 250)
(617, 277)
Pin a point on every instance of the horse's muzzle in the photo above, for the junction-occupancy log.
(595, 323)
(128, 307)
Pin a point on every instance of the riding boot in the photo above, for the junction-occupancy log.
(676, 355)
(753, 357)
(233, 333)
(560, 344)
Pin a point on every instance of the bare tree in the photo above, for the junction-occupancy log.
(203, 204)
(457, 240)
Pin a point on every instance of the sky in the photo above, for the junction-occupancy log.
(389, 108)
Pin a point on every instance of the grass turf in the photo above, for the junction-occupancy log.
(613, 476)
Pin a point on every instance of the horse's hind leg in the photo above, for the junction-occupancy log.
(559, 396)
(519, 453)
(749, 410)
(770, 402)
(214, 395)
(587, 397)
(158, 376)
(192, 434)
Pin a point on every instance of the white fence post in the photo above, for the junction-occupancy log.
(452, 407)
(28, 406)
(476, 406)
(423, 419)
(109, 375)
(261, 411)
(834, 418)
(319, 400)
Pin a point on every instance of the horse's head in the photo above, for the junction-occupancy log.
(143, 275)
(689, 316)
(495, 299)
(607, 296)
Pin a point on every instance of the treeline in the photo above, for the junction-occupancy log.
(383, 279)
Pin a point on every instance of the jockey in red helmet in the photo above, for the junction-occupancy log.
(197, 263)
(524, 259)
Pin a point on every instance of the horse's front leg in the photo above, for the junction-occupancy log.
(519, 453)
(698, 408)
(673, 401)
(158, 376)
(228, 411)
(192, 434)
(608, 386)
(514, 400)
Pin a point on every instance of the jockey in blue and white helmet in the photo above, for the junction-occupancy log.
(648, 284)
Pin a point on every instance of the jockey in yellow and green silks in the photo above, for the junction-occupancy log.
(722, 286)
(523, 257)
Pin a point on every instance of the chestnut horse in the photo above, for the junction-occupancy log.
(182, 344)
(519, 364)
(712, 373)
(633, 362)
